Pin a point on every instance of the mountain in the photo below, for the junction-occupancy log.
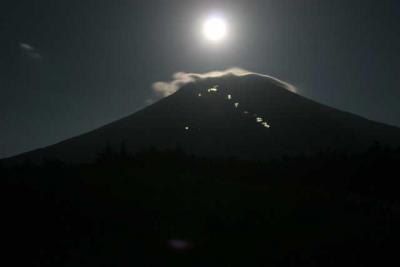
(249, 117)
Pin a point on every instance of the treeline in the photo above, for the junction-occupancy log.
(321, 210)
(371, 172)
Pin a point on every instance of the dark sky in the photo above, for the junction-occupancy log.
(69, 66)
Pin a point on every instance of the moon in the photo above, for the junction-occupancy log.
(215, 29)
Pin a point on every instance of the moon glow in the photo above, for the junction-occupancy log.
(215, 29)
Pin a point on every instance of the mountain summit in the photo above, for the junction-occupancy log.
(249, 117)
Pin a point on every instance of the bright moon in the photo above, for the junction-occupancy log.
(215, 29)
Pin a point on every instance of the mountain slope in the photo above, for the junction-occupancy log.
(251, 117)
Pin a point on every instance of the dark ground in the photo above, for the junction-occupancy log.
(325, 210)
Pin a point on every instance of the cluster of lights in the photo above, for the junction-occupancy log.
(214, 89)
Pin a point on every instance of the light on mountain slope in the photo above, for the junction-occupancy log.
(266, 125)
(214, 90)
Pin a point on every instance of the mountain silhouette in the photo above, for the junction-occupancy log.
(248, 117)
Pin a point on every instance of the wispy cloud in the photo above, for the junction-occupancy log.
(26, 47)
(30, 50)
(163, 89)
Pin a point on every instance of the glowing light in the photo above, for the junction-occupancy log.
(229, 97)
(199, 94)
(215, 29)
(259, 119)
(177, 244)
(236, 105)
(187, 128)
(213, 89)
(266, 125)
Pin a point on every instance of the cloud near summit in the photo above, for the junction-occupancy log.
(30, 50)
(163, 89)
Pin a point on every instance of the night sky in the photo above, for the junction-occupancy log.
(69, 66)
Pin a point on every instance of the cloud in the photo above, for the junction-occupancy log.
(163, 89)
(30, 50)
(26, 47)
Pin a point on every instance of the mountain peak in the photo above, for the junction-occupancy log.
(247, 116)
(242, 82)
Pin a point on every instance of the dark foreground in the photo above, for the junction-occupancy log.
(171, 209)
